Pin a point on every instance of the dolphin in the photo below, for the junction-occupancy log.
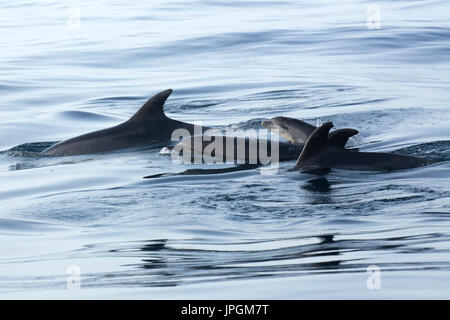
(297, 131)
(241, 150)
(236, 149)
(318, 154)
(148, 126)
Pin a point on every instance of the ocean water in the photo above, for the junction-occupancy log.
(92, 227)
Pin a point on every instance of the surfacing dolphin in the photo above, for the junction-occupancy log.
(318, 154)
(148, 126)
(241, 150)
(297, 131)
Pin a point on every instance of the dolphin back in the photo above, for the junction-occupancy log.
(149, 125)
(318, 153)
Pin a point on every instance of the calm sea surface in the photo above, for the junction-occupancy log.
(92, 227)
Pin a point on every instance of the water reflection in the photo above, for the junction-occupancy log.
(318, 191)
(175, 262)
(168, 263)
(321, 185)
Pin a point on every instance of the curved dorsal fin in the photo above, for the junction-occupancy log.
(153, 108)
(315, 143)
(339, 138)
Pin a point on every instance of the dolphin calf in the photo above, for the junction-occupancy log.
(149, 125)
(298, 132)
(319, 154)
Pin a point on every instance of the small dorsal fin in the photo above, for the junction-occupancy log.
(316, 142)
(339, 138)
(153, 108)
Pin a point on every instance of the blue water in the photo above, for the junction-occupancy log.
(70, 67)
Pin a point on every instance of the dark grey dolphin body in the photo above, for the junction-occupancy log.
(236, 149)
(319, 154)
(148, 126)
(298, 132)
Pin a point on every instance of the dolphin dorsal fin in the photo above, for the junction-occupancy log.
(339, 138)
(153, 108)
(315, 143)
